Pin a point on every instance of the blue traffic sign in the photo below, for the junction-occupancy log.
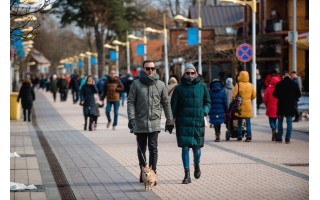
(244, 52)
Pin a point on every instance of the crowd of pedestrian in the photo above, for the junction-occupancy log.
(186, 103)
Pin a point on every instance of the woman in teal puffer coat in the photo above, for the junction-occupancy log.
(190, 102)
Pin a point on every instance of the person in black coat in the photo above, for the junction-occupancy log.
(287, 92)
(74, 86)
(62, 84)
(88, 102)
(27, 96)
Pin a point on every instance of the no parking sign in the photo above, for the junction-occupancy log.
(244, 52)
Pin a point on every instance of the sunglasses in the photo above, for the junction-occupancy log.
(190, 73)
(150, 68)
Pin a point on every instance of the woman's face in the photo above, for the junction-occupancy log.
(89, 80)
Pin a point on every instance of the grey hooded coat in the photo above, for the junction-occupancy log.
(147, 97)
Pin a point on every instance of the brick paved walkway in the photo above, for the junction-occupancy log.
(102, 164)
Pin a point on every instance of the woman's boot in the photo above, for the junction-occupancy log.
(197, 172)
(90, 123)
(217, 137)
(85, 123)
(186, 179)
(274, 135)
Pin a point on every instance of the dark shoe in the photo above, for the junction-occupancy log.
(280, 141)
(155, 183)
(287, 141)
(197, 172)
(274, 135)
(29, 120)
(85, 127)
(295, 120)
(239, 139)
(186, 179)
(24, 120)
(217, 137)
(248, 139)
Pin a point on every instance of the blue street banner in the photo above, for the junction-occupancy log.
(16, 41)
(70, 65)
(193, 36)
(80, 63)
(65, 66)
(140, 49)
(113, 55)
(93, 60)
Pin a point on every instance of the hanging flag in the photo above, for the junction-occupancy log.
(80, 63)
(93, 60)
(70, 65)
(193, 36)
(140, 49)
(65, 65)
(113, 55)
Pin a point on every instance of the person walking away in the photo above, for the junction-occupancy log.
(287, 92)
(173, 82)
(112, 89)
(229, 89)
(259, 92)
(271, 106)
(190, 103)
(63, 87)
(100, 84)
(88, 102)
(74, 86)
(128, 84)
(54, 87)
(147, 97)
(297, 80)
(219, 106)
(27, 96)
(247, 93)
(274, 72)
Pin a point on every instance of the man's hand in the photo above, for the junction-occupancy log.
(131, 125)
(169, 128)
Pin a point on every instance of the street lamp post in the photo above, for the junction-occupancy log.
(117, 55)
(116, 42)
(199, 22)
(89, 62)
(253, 5)
(165, 35)
(144, 39)
(81, 55)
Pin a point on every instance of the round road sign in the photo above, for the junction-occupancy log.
(244, 52)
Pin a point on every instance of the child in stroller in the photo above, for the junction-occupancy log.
(231, 120)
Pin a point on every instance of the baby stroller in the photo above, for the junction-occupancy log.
(231, 120)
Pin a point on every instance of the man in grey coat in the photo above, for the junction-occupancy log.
(147, 96)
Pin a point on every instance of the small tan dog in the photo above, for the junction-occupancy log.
(148, 177)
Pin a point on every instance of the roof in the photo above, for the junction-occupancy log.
(218, 17)
(38, 57)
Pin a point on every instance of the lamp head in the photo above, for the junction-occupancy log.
(148, 29)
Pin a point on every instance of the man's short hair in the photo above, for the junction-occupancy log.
(147, 61)
(285, 73)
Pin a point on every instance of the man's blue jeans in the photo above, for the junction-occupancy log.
(185, 156)
(248, 127)
(273, 123)
(280, 127)
(116, 105)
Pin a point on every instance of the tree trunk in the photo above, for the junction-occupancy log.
(99, 38)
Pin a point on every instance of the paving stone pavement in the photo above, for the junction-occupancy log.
(102, 164)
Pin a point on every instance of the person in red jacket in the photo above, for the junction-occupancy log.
(274, 73)
(271, 106)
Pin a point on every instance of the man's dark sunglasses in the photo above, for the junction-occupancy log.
(190, 73)
(150, 68)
